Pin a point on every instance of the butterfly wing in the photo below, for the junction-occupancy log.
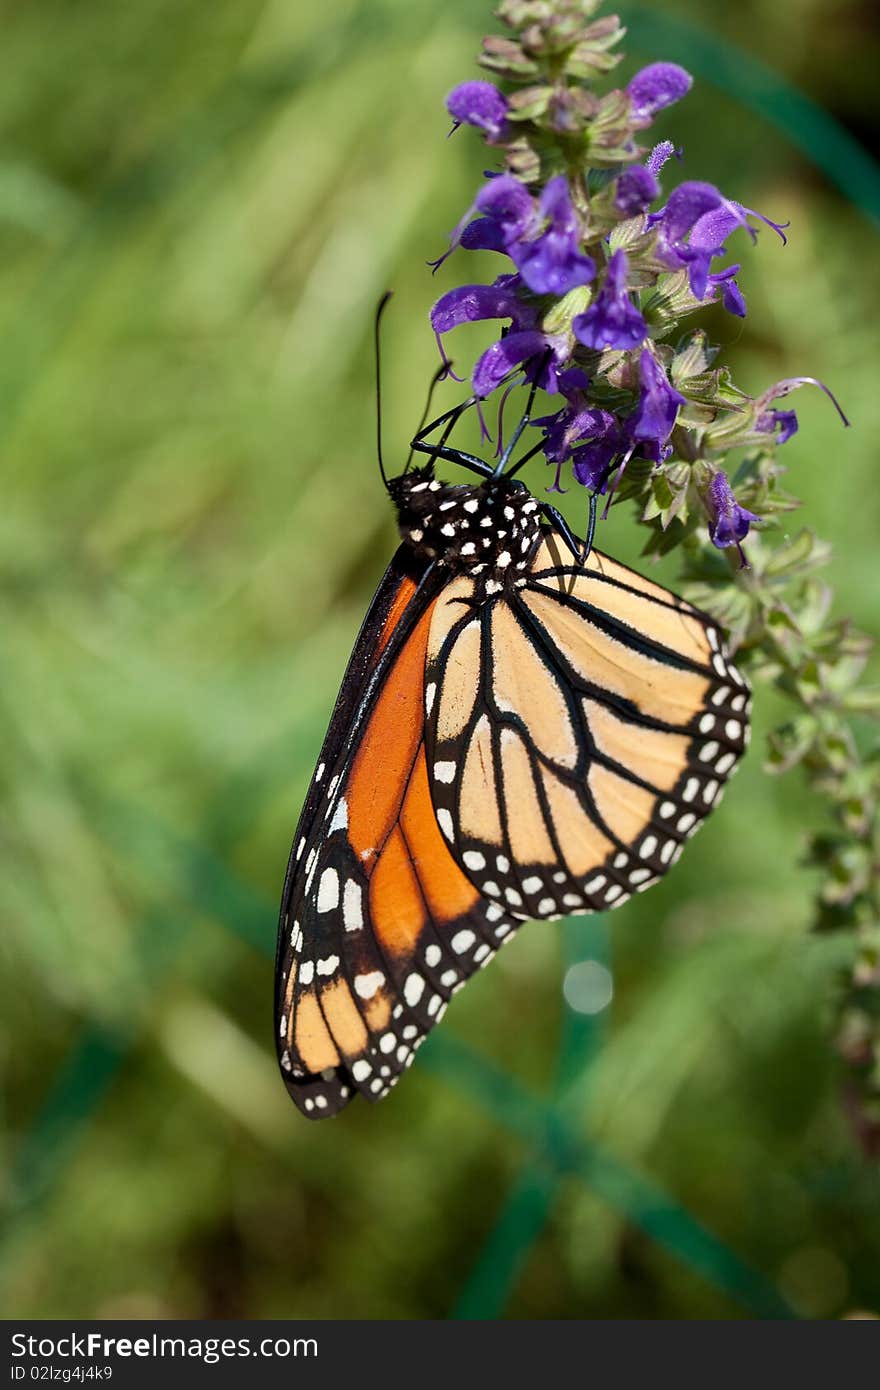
(585, 725)
(379, 925)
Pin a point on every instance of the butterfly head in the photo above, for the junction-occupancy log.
(490, 530)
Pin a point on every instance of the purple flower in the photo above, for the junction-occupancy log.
(553, 263)
(612, 320)
(544, 354)
(728, 521)
(471, 303)
(731, 294)
(479, 104)
(636, 189)
(564, 428)
(508, 205)
(651, 425)
(692, 230)
(550, 261)
(593, 460)
(784, 388)
(508, 212)
(590, 437)
(786, 421)
(655, 87)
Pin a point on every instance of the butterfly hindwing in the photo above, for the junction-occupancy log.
(585, 723)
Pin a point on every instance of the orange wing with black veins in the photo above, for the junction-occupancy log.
(380, 926)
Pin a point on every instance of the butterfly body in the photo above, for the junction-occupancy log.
(517, 736)
(491, 529)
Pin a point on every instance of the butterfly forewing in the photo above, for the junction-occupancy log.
(380, 925)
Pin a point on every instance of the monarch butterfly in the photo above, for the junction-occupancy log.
(520, 734)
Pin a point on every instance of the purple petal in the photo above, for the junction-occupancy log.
(478, 104)
(591, 463)
(636, 189)
(568, 427)
(571, 380)
(710, 231)
(612, 320)
(553, 264)
(620, 327)
(733, 299)
(483, 235)
(503, 356)
(556, 205)
(786, 421)
(728, 521)
(508, 202)
(698, 263)
(471, 303)
(544, 367)
(686, 205)
(731, 294)
(658, 406)
(657, 86)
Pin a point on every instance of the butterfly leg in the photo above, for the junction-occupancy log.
(442, 450)
(524, 419)
(561, 526)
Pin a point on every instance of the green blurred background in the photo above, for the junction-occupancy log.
(199, 208)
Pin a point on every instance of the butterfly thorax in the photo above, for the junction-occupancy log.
(491, 529)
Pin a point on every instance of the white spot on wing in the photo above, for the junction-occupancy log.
(413, 989)
(366, 985)
(352, 906)
(328, 891)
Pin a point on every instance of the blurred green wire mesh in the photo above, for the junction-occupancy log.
(198, 214)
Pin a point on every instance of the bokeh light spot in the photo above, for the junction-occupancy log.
(588, 987)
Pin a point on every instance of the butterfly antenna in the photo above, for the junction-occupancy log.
(377, 323)
(437, 377)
